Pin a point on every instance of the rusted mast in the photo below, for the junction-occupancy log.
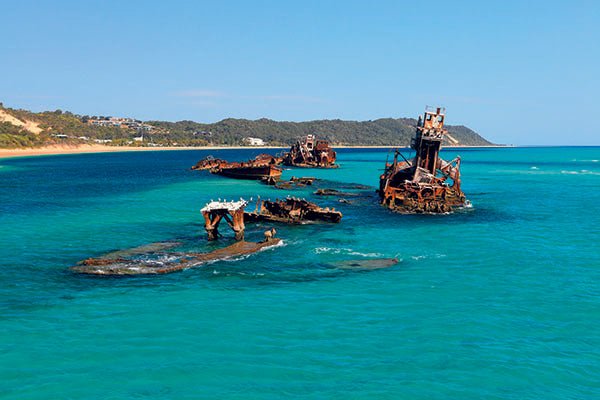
(428, 140)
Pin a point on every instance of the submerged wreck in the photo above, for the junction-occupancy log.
(154, 259)
(262, 167)
(422, 185)
(295, 183)
(310, 152)
(152, 263)
(292, 210)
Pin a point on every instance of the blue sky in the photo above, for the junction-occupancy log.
(522, 72)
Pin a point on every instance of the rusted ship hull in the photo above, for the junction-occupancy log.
(263, 167)
(292, 211)
(310, 152)
(408, 199)
(251, 173)
(426, 183)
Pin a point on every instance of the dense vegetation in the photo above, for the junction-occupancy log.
(384, 132)
(12, 136)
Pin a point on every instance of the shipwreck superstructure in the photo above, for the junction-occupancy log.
(426, 183)
(310, 152)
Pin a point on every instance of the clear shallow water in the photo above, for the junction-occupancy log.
(499, 301)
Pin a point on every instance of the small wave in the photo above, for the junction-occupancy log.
(576, 160)
(320, 250)
(423, 257)
(244, 256)
(534, 168)
(357, 253)
(281, 243)
(234, 259)
(580, 172)
(352, 252)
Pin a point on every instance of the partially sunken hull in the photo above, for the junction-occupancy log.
(263, 167)
(111, 265)
(292, 211)
(253, 173)
(426, 183)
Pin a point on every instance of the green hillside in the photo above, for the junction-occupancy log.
(58, 127)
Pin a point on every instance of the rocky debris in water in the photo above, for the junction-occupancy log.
(367, 264)
(292, 210)
(303, 180)
(334, 192)
(295, 182)
(356, 186)
(168, 262)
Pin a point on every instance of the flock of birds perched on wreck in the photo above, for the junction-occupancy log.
(424, 184)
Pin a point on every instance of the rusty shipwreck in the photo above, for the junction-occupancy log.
(425, 183)
(310, 152)
(292, 210)
(262, 167)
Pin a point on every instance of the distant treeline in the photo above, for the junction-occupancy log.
(67, 128)
(383, 132)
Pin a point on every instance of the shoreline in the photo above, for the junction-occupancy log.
(84, 149)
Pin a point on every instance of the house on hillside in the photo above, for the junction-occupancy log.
(250, 141)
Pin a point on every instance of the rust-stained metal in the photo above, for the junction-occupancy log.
(422, 184)
(310, 152)
(231, 211)
(262, 167)
(293, 211)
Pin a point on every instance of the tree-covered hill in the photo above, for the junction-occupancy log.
(383, 132)
(58, 127)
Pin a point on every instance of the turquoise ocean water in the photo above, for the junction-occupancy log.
(500, 301)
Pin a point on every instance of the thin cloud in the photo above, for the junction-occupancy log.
(200, 93)
(217, 94)
(294, 98)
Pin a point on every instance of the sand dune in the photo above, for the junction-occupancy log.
(28, 125)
